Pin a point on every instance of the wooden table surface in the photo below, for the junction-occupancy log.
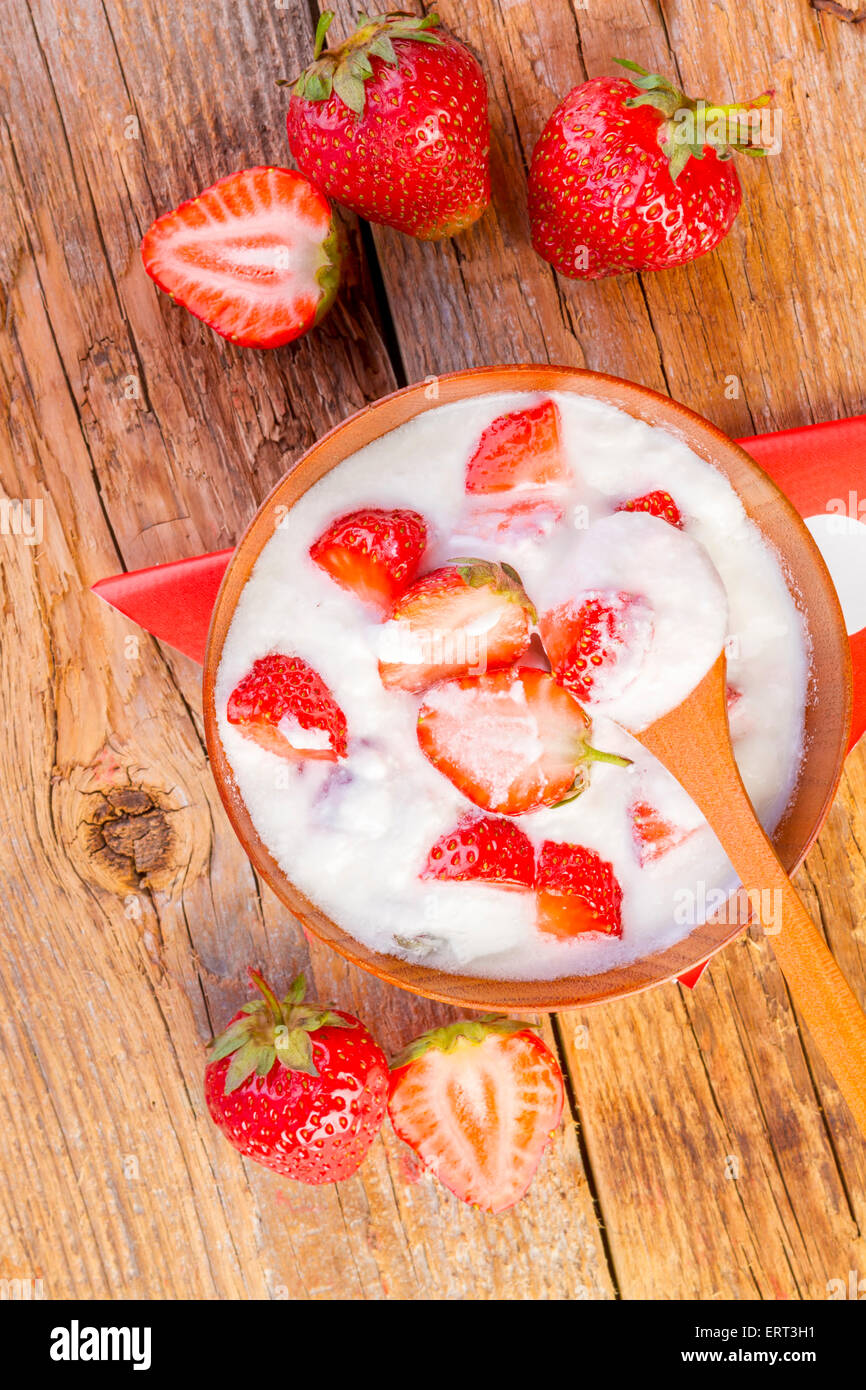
(706, 1152)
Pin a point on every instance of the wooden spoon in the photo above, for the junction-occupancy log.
(694, 743)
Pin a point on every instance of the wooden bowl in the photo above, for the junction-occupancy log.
(828, 713)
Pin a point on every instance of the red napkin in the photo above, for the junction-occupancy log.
(822, 468)
(818, 466)
(174, 602)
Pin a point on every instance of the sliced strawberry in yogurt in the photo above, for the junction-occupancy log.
(597, 644)
(374, 553)
(658, 503)
(522, 449)
(655, 835)
(488, 848)
(510, 741)
(578, 892)
(286, 707)
(465, 618)
(515, 519)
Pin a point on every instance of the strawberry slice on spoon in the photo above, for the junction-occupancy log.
(598, 643)
(658, 503)
(255, 257)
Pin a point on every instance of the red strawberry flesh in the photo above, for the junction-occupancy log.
(597, 643)
(286, 707)
(510, 741)
(466, 617)
(522, 449)
(654, 834)
(578, 892)
(658, 503)
(486, 848)
(516, 519)
(255, 256)
(375, 554)
(478, 1102)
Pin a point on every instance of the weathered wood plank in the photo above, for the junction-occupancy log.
(763, 334)
(149, 438)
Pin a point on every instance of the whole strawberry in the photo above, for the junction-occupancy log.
(299, 1088)
(393, 124)
(635, 175)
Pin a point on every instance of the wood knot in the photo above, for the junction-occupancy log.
(126, 829)
(129, 838)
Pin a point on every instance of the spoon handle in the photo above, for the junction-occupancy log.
(697, 750)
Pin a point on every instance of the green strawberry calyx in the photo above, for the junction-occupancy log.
(504, 579)
(272, 1030)
(471, 1031)
(345, 69)
(588, 754)
(328, 272)
(725, 129)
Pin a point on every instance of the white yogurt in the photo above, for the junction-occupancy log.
(686, 609)
(354, 836)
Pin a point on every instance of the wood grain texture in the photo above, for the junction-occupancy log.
(131, 911)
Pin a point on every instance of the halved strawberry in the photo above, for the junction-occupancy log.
(468, 616)
(597, 643)
(484, 847)
(653, 833)
(255, 256)
(374, 553)
(578, 891)
(510, 741)
(478, 1102)
(519, 450)
(284, 705)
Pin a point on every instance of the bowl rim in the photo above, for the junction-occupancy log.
(477, 992)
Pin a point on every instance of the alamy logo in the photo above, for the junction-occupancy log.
(16, 1290)
(852, 1287)
(76, 1343)
(22, 517)
(401, 644)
